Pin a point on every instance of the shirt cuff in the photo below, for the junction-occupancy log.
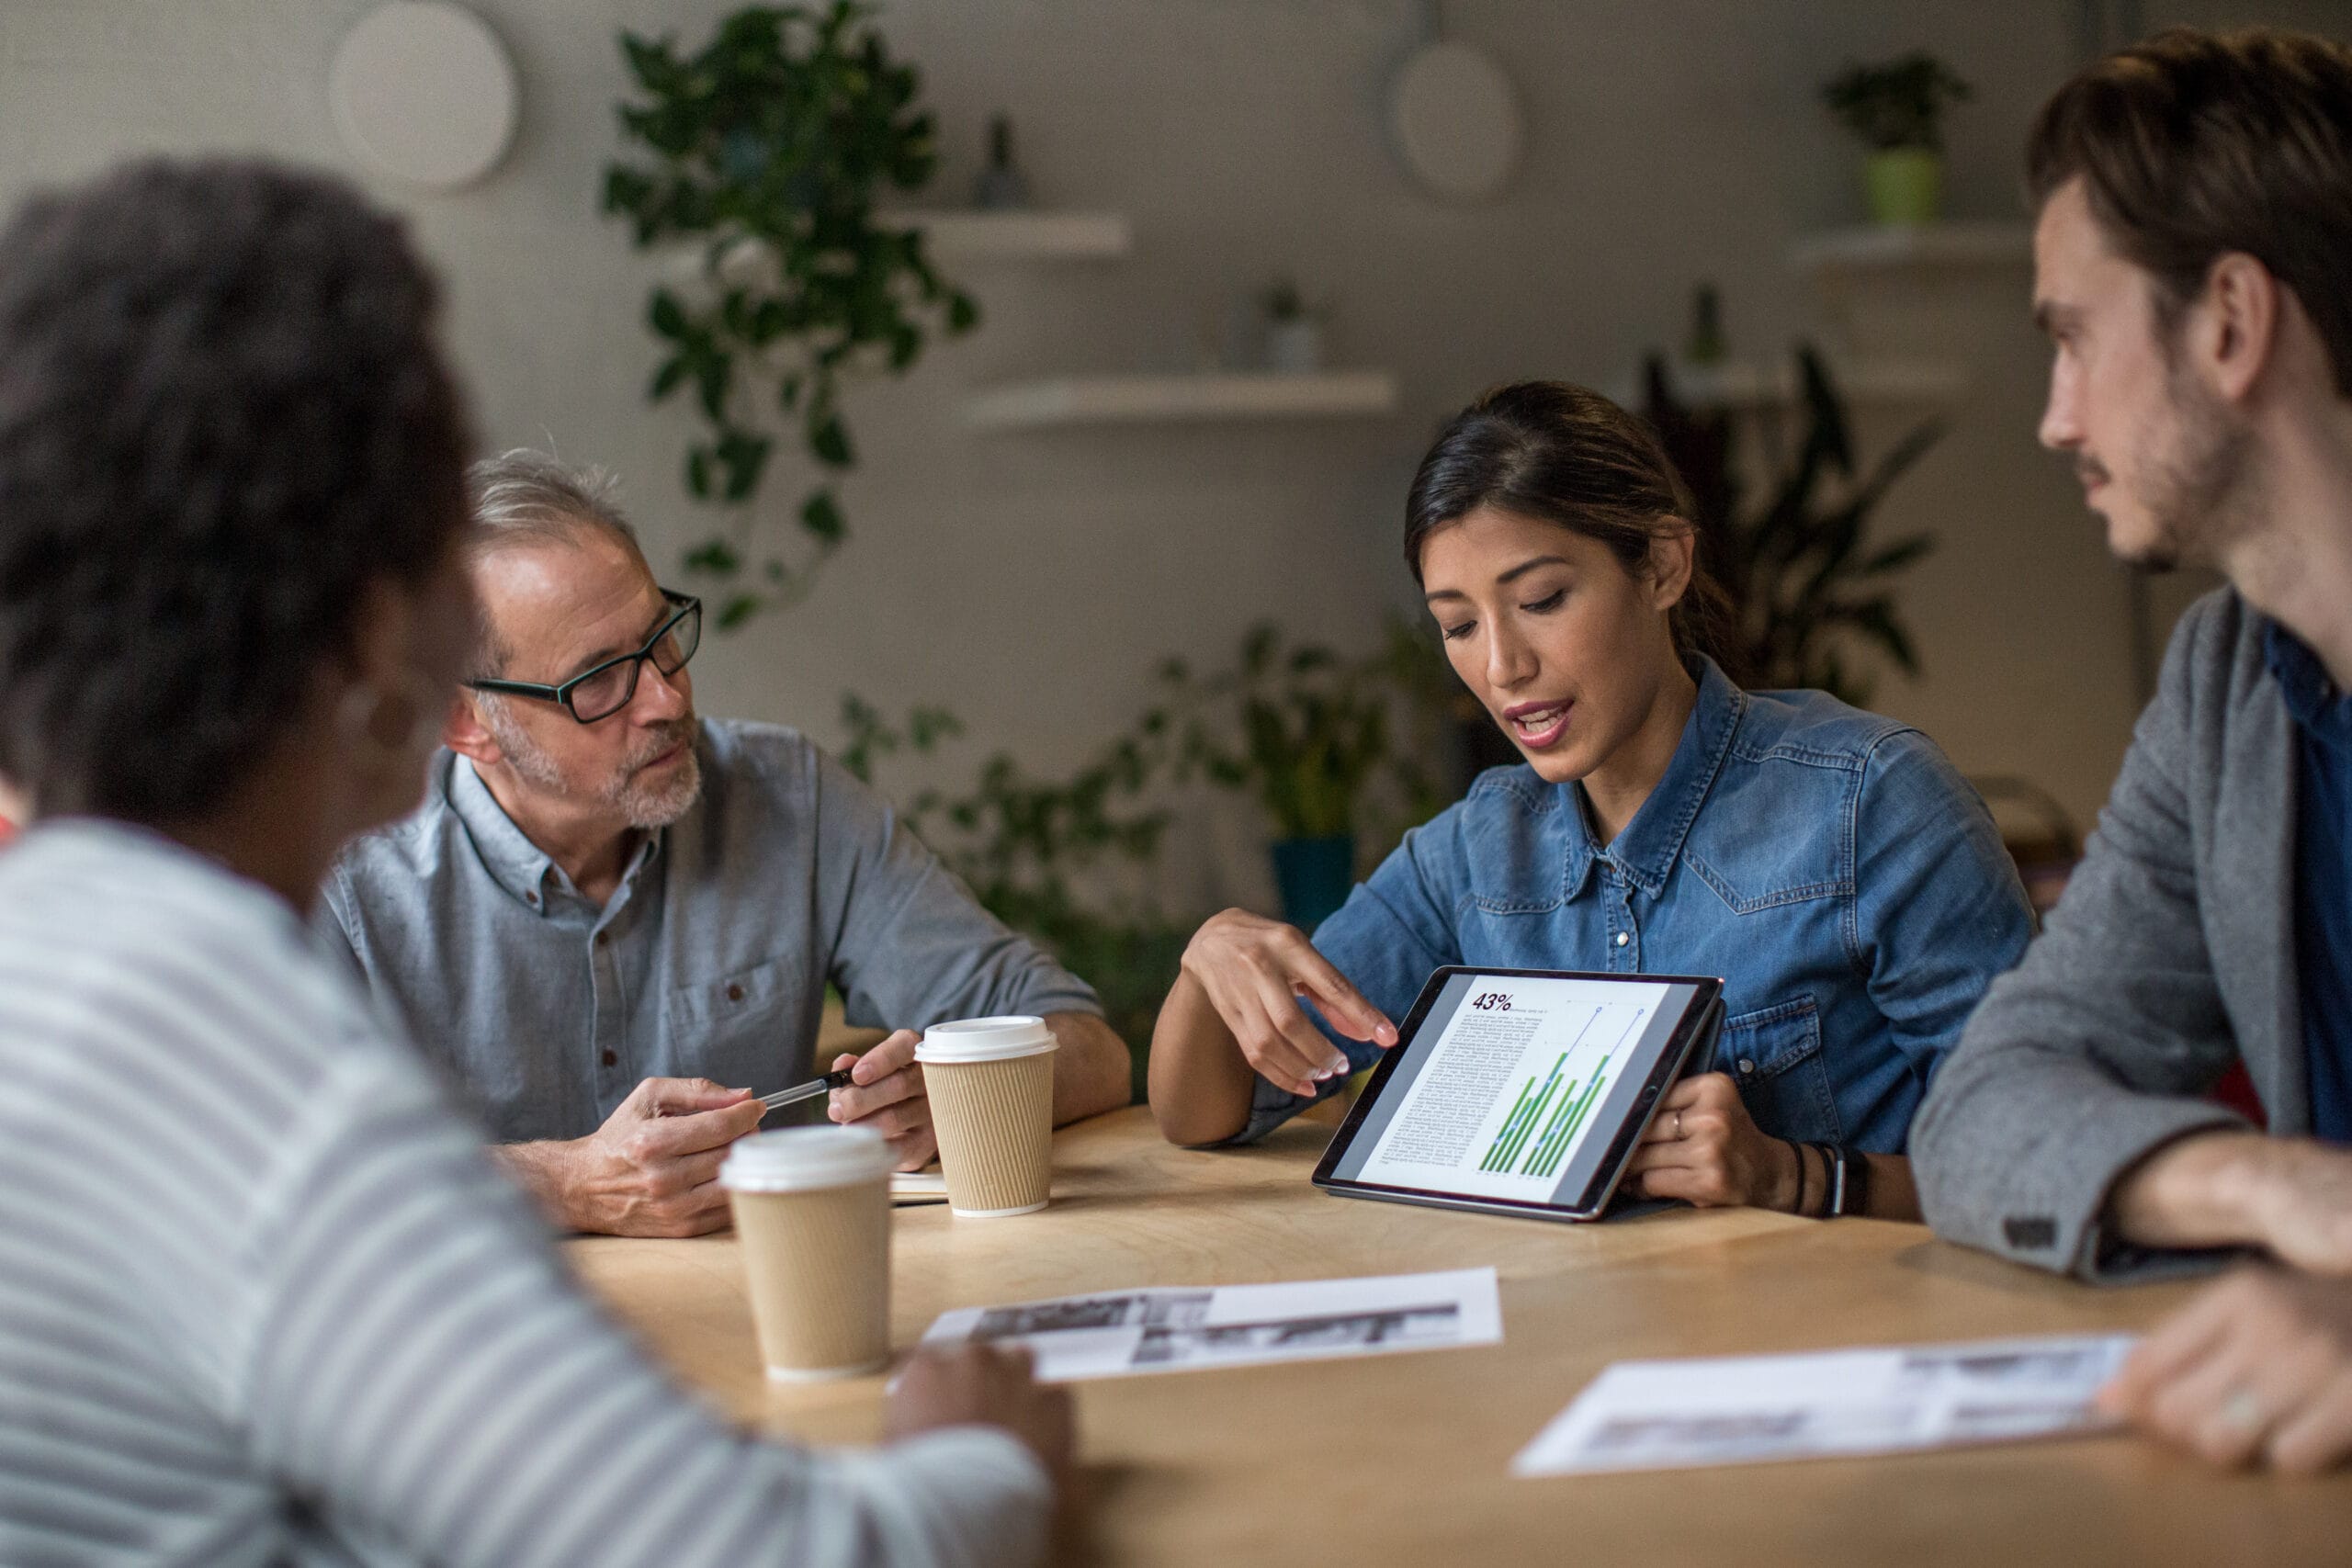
(2141, 1129)
(955, 1497)
(1271, 1107)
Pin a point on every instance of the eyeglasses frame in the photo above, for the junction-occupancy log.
(688, 605)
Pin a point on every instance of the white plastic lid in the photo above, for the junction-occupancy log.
(798, 1158)
(985, 1039)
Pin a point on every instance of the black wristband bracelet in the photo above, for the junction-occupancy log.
(1837, 1198)
(1857, 1182)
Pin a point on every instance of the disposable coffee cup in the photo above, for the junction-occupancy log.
(812, 1210)
(990, 1081)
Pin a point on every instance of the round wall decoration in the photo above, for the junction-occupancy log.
(422, 92)
(1456, 121)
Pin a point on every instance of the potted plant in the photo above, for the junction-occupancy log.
(1293, 334)
(1805, 580)
(1307, 730)
(1896, 109)
(763, 151)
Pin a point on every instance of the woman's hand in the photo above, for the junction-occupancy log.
(1705, 1149)
(1253, 970)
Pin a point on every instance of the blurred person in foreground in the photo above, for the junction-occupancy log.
(612, 922)
(265, 1299)
(2193, 268)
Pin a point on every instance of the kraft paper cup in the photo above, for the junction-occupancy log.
(990, 1081)
(812, 1209)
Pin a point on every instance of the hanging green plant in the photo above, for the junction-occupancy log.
(768, 146)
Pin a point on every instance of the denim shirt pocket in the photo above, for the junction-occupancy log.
(1774, 1056)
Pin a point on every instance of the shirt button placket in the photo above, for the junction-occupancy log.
(1624, 956)
(606, 990)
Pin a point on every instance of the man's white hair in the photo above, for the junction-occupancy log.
(522, 498)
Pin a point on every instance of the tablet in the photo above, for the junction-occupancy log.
(1521, 1091)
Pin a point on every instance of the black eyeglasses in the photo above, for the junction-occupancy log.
(606, 690)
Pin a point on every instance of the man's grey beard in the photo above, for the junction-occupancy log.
(641, 803)
(2201, 497)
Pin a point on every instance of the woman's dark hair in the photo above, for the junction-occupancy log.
(2193, 144)
(223, 415)
(1562, 454)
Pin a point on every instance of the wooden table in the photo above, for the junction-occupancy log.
(1403, 1459)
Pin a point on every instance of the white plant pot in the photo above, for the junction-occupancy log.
(1294, 347)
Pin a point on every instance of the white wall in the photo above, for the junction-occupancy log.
(1031, 582)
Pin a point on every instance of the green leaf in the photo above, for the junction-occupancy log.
(821, 515)
(667, 317)
(829, 442)
(713, 371)
(714, 558)
(698, 471)
(905, 344)
(666, 378)
(1896, 556)
(738, 610)
(963, 314)
(743, 455)
(1258, 649)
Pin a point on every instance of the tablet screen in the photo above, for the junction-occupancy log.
(1512, 1087)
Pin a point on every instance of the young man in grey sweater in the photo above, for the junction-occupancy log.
(2193, 268)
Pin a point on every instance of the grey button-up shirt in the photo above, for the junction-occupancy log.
(710, 959)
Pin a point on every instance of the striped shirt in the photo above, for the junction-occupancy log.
(263, 1300)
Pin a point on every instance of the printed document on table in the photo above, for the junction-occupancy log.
(1183, 1328)
(1752, 1409)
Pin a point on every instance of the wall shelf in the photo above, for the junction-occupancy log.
(1030, 235)
(1193, 396)
(1886, 248)
(1742, 388)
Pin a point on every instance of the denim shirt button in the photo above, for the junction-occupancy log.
(1623, 939)
(1747, 1068)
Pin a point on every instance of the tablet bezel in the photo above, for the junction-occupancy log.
(1701, 1018)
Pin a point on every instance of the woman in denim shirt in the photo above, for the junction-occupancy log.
(1829, 864)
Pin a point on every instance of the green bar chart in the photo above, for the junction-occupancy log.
(1566, 1122)
(1551, 1110)
(1513, 1133)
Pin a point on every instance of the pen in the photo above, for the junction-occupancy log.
(808, 1090)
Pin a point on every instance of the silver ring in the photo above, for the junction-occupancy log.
(1678, 1126)
(2242, 1410)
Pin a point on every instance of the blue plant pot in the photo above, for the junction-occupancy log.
(1314, 876)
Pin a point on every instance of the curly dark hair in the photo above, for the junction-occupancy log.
(222, 414)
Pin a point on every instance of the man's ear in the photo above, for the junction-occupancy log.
(465, 734)
(2235, 333)
(1674, 550)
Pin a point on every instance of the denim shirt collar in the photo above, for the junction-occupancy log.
(1645, 851)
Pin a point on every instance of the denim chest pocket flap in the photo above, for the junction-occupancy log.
(747, 993)
(1774, 1056)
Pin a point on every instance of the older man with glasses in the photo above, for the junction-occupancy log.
(613, 922)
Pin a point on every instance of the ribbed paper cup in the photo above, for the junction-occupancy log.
(990, 1081)
(812, 1210)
